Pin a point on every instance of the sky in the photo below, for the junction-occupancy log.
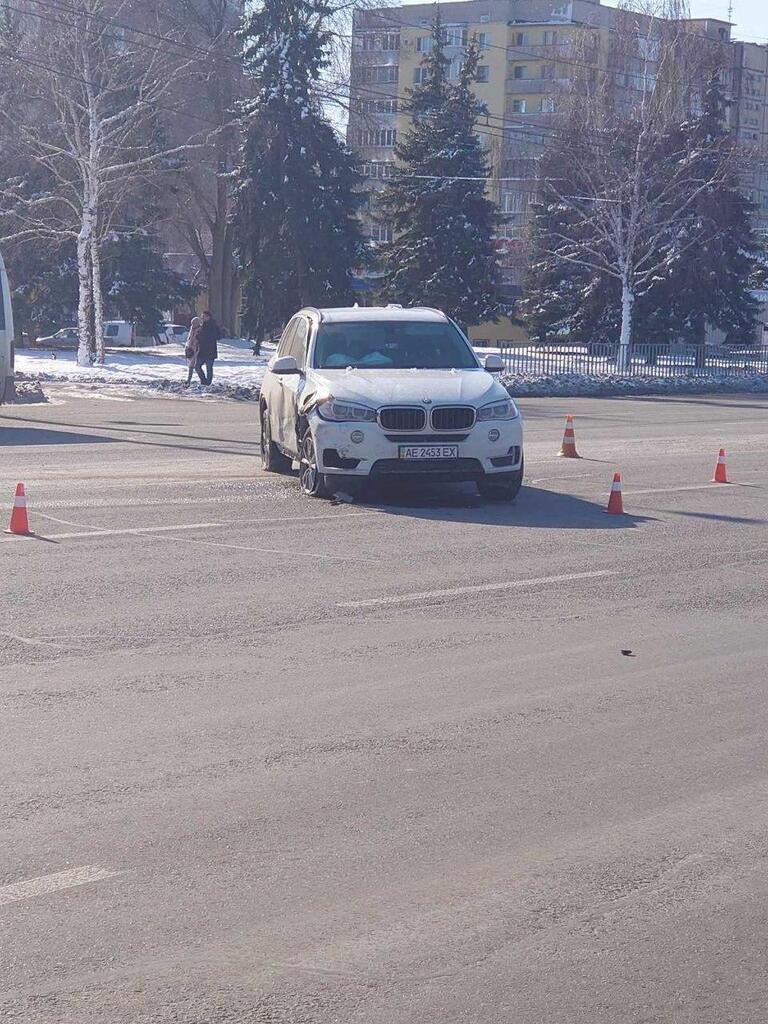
(750, 17)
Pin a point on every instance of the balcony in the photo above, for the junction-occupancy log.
(536, 86)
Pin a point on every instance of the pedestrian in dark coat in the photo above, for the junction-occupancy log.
(207, 349)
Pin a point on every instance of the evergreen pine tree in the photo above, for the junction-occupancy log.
(443, 252)
(297, 189)
(138, 285)
(709, 285)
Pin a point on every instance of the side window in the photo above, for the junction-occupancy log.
(298, 348)
(284, 348)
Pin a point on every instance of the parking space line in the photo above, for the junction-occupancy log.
(719, 488)
(132, 531)
(45, 884)
(480, 588)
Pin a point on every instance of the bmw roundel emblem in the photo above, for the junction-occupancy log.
(427, 401)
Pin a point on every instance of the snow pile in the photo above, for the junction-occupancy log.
(237, 372)
(574, 385)
(28, 392)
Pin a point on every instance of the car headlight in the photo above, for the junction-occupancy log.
(503, 410)
(338, 411)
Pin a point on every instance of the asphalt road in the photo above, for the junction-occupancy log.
(271, 760)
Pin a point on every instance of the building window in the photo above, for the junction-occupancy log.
(518, 106)
(377, 137)
(519, 71)
(390, 41)
(381, 74)
(522, 39)
(453, 70)
(548, 72)
(483, 74)
(379, 169)
(455, 35)
(424, 44)
(376, 106)
(484, 19)
(482, 40)
(547, 105)
(648, 49)
(420, 75)
(380, 232)
(550, 37)
(367, 42)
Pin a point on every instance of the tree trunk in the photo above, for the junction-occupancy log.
(627, 302)
(98, 302)
(84, 300)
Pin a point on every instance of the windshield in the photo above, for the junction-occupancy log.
(392, 345)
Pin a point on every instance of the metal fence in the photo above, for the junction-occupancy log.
(645, 360)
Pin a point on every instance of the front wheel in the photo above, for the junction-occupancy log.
(272, 459)
(501, 486)
(312, 481)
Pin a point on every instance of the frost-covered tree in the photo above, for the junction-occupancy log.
(443, 221)
(86, 138)
(297, 191)
(640, 236)
(714, 287)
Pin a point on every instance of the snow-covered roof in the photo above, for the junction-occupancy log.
(368, 313)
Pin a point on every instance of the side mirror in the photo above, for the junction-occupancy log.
(284, 366)
(494, 364)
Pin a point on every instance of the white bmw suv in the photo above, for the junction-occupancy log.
(374, 393)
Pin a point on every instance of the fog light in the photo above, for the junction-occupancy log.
(357, 436)
(493, 435)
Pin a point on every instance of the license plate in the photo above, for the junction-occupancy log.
(429, 451)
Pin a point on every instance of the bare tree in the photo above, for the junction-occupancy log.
(89, 130)
(629, 194)
(200, 214)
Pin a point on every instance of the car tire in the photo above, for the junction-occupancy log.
(312, 481)
(502, 486)
(272, 459)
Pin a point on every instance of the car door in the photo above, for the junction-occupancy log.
(294, 383)
(276, 396)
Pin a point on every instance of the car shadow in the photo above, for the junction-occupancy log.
(534, 507)
(17, 436)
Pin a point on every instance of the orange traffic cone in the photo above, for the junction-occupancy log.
(568, 447)
(615, 504)
(720, 476)
(19, 522)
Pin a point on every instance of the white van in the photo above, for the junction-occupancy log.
(6, 334)
(121, 333)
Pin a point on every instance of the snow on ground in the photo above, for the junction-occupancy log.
(238, 374)
(236, 370)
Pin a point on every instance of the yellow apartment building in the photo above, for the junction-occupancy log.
(533, 53)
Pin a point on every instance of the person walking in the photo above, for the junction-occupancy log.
(191, 347)
(207, 349)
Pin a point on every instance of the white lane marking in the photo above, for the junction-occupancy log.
(139, 530)
(693, 487)
(426, 595)
(30, 642)
(52, 883)
(64, 522)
